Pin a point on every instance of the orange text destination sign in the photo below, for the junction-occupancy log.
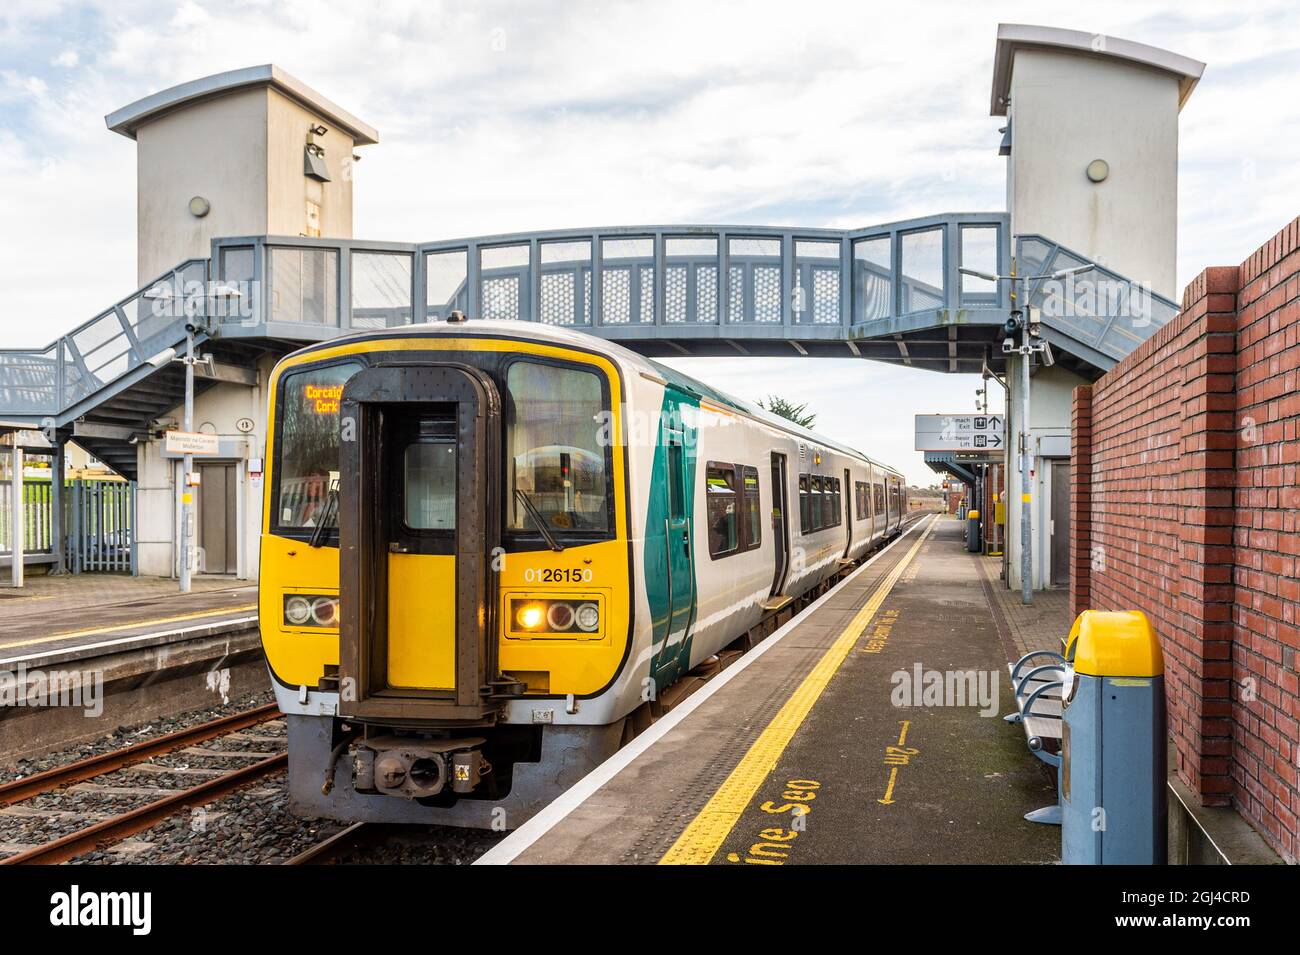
(323, 399)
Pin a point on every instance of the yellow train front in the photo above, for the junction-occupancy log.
(406, 601)
(489, 546)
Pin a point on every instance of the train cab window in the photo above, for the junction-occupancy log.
(860, 499)
(306, 464)
(753, 516)
(722, 510)
(429, 484)
(554, 455)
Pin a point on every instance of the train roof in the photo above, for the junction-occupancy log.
(499, 328)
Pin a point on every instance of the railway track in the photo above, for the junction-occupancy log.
(328, 851)
(119, 826)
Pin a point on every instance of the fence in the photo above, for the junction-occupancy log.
(98, 524)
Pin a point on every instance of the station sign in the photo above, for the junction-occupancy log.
(960, 432)
(190, 442)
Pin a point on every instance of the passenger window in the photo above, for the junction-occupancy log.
(878, 494)
(805, 524)
(720, 491)
(753, 520)
(860, 499)
(828, 503)
(676, 509)
(815, 502)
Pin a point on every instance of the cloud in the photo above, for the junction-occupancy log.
(509, 116)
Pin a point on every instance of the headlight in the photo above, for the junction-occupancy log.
(560, 616)
(588, 617)
(297, 610)
(530, 615)
(537, 616)
(325, 612)
(311, 610)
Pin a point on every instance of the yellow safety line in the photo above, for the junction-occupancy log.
(127, 626)
(705, 833)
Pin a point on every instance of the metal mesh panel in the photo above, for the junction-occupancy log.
(501, 298)
(585, 317)
(647, 294)
(706, 294)
(616, 296)
(675, 293)
(557, 298)
(826, 296)
(767, 293)
(736, 294)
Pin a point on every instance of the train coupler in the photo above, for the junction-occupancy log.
(416, 768)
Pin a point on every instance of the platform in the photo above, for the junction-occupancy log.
(809, 718)
(59, 619)
(135, 647)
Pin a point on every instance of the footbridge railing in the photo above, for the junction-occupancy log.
(876, 292)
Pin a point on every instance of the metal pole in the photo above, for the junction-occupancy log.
(58, 532)
(1026, 470)
(187, 467)
(17, 514)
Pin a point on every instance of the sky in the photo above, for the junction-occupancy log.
(512, 116)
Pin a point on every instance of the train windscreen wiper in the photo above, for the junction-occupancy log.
(537, 519)
(328, 513)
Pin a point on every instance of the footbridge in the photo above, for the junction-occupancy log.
(899, 292)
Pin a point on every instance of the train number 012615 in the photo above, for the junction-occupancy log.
(558, 575)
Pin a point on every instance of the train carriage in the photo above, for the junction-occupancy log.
(489, 546)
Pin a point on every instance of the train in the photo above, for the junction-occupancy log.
(490, 548)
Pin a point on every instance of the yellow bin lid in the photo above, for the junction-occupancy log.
(973, 515)
(1115, 643)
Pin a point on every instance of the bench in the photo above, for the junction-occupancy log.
(1037, 683)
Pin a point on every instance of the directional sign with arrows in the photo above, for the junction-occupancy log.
(960, 432)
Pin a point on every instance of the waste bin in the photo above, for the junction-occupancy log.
(973, 531)
(1112, 774)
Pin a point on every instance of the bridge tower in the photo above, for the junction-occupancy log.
(253, 151)
(1092, 161)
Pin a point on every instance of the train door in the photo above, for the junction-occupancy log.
(780, 522)
(846, 510)
(678, 559)
(419, 516)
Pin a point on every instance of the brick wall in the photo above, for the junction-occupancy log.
(1186, 505)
